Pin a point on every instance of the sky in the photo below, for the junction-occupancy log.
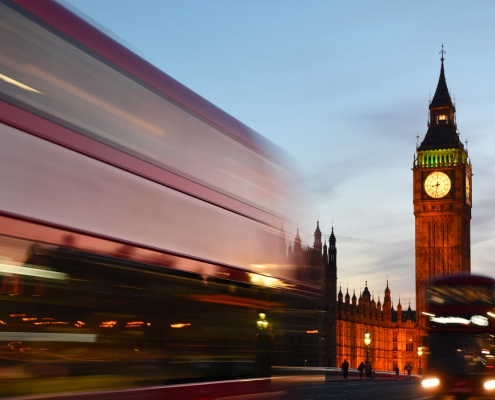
(344, 87)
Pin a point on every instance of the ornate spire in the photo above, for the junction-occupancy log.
(441, 97)
(297, 240)
(332, 239)
(442, 128)
(317, 243)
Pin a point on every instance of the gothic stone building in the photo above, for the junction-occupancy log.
(394, 335)
(442, 198)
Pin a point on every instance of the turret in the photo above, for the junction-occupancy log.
(399, 312)
(317, 243)
(409, 313)
(387, 305)
(367, 301)
(354, 305)
(325, 254)
(297, 242)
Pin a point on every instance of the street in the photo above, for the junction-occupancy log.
(307, 388)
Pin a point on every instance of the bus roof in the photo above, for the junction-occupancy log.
(465, 280)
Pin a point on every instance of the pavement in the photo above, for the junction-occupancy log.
(333, 373)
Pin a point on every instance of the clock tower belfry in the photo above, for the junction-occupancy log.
(442, 197)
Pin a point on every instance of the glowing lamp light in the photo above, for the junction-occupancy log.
(367, 339)
(262, 323)
(420, 351)
(178, 326)
(489, 385)
(108, 324)
(429, 383)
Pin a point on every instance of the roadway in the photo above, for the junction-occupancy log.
(301, 388)
(318, 388)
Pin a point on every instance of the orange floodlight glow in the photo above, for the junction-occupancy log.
(314, 331)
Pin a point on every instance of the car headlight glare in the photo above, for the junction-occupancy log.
(489, 385)
(432, 382)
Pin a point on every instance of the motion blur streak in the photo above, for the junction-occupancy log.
(141, 228)
(46, 337)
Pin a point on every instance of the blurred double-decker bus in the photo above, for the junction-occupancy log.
(141, 240)
(460, 341)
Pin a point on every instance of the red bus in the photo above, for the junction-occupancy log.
(140, 227)
(460, 343)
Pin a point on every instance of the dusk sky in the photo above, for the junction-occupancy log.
(344, 87)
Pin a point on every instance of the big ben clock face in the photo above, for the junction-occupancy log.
(437, 185)
(468, 188)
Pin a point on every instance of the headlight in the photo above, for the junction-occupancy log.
(488, 385)
(432, 382)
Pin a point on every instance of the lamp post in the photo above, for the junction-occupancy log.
(367, 342)
(420, 353)
(263, 358)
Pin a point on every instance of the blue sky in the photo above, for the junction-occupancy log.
(344, 87)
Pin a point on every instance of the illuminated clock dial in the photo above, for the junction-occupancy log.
(468, 187)
(437, 185)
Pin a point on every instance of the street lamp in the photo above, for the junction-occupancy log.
(420, 353)
(367, 342)
(262, 322)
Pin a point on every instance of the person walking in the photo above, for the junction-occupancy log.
(345, 368)
(367, 368)
(361, 370)
(396, 369)
(408, 369)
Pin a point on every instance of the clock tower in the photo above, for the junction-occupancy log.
(442, 197)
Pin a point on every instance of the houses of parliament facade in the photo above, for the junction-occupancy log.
(442, 199)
